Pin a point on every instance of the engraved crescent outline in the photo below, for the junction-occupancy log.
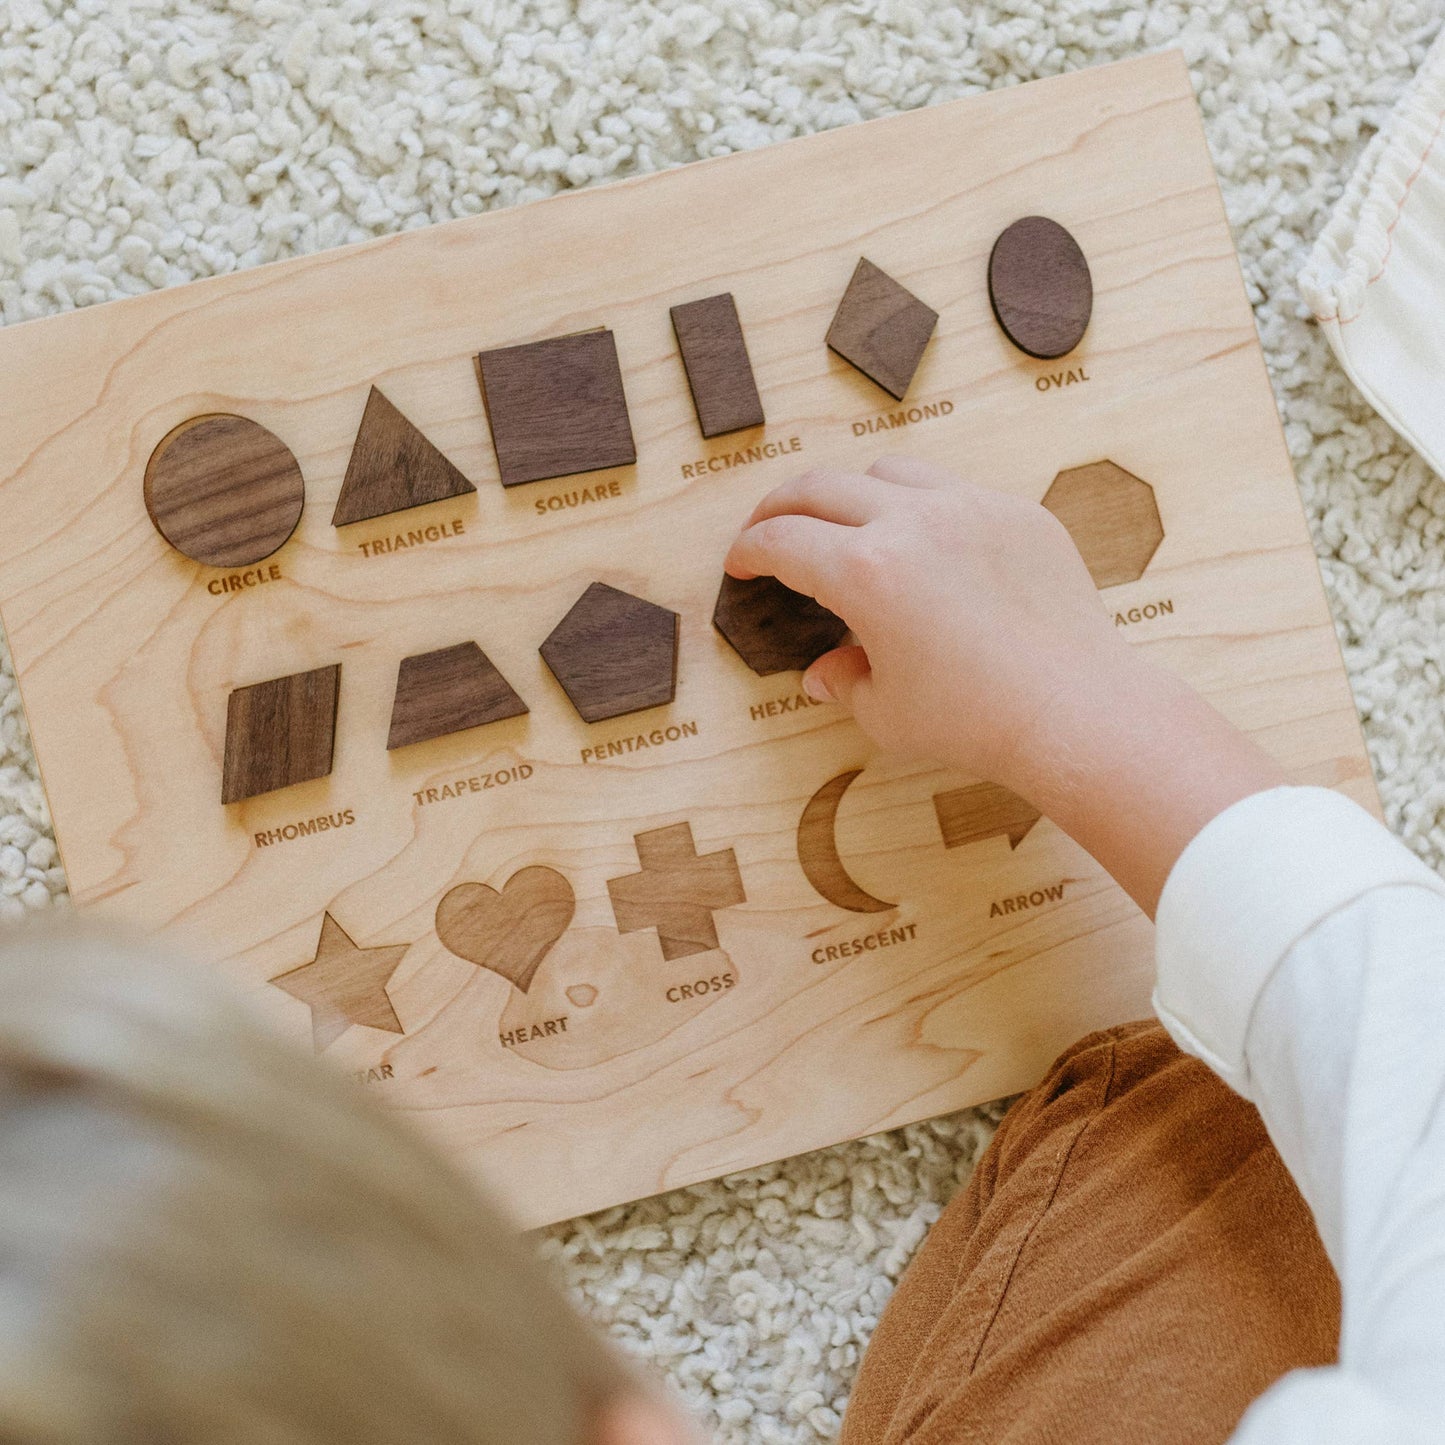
(818, 850)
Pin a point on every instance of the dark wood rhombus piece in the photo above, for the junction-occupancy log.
(772, 628)
(446, 691)
(223, 491)
(882, 328)
(614, 653)
(1040, 288)
(556, 407)
(677, 891)
(393, 467)
(710, 337)
(279, 732)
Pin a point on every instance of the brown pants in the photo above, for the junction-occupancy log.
(1131, 1262)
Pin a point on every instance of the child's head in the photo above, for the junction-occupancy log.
(207, 1237)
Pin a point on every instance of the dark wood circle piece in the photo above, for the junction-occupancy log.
(1040, 287)
(223, 490)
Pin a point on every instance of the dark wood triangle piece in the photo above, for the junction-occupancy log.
(446, 691)
(393, 467)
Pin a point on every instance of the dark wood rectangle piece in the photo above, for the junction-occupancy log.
(724, 391)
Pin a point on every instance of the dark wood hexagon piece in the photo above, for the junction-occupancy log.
(771, 627)
(614, 653)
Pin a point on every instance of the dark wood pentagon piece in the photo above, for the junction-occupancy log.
(279, 732)
(223, 490)
(556, 407)
(614, 653)
(771, 627)
(393, 467)
(710, 337)
(446, 691)
(1040, 287)
(882, 328)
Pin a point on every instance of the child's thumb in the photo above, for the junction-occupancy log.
(835, 675)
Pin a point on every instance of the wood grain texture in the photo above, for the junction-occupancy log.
(279, 732)
(1113, 518)
(393, 468)
(447, 691)
(771, 627)
(983, 811)
(1040, 287)
(223, 490)
(126, 657)
(345, 985)
(882, 328)
(556, 407)
(614, 653)
(818, 854)
(677, 891)
(509, 931)
(715, 357)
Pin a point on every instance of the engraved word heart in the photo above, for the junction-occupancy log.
(510, 932)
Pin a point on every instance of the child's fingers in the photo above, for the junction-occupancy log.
(835, 676)
(912, 472)
(801, 552)
(848, 498)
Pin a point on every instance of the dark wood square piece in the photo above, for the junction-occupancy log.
(279, 732)
(710, 337)
(882, 328)
(556, 407)
(447, 691)
(614, 653)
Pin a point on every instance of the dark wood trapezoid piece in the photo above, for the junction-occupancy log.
(556, 407)
(223, 491)
(1040, 288)
(715, 357)
(677, 891)
(279, 732)
(771, 627)
(447, 691)
(882, 328)
(393, 467)
(614, 653)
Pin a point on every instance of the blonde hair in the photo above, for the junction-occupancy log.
(206, 1236)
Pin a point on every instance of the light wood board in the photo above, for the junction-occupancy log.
(998, 956)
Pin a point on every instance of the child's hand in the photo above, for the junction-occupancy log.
(984, 646)
(973, 608)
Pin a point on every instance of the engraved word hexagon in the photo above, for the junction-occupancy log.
(1113, 518)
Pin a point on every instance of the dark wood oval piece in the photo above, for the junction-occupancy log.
(223, 490)
(1040, 287)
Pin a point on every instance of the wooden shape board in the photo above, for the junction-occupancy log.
(719, 374)
(447, 691)
(1040, 288)
(393, 468)
(223, 491)
(882, 328)
(556, 407)
(279, 733)
(618, 1072)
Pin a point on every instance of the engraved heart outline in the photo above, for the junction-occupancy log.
(508, 932)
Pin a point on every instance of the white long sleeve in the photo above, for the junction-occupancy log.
(1301, 954)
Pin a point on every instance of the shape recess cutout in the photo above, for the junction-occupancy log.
(279, 732)
(223, 491)
(1113, 518)
(719, 373)
(882, 328)
(508, 932)
(677, 891)
(393, 467)
(556, 407)
(448, 691)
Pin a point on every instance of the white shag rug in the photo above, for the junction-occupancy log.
(144, 143)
